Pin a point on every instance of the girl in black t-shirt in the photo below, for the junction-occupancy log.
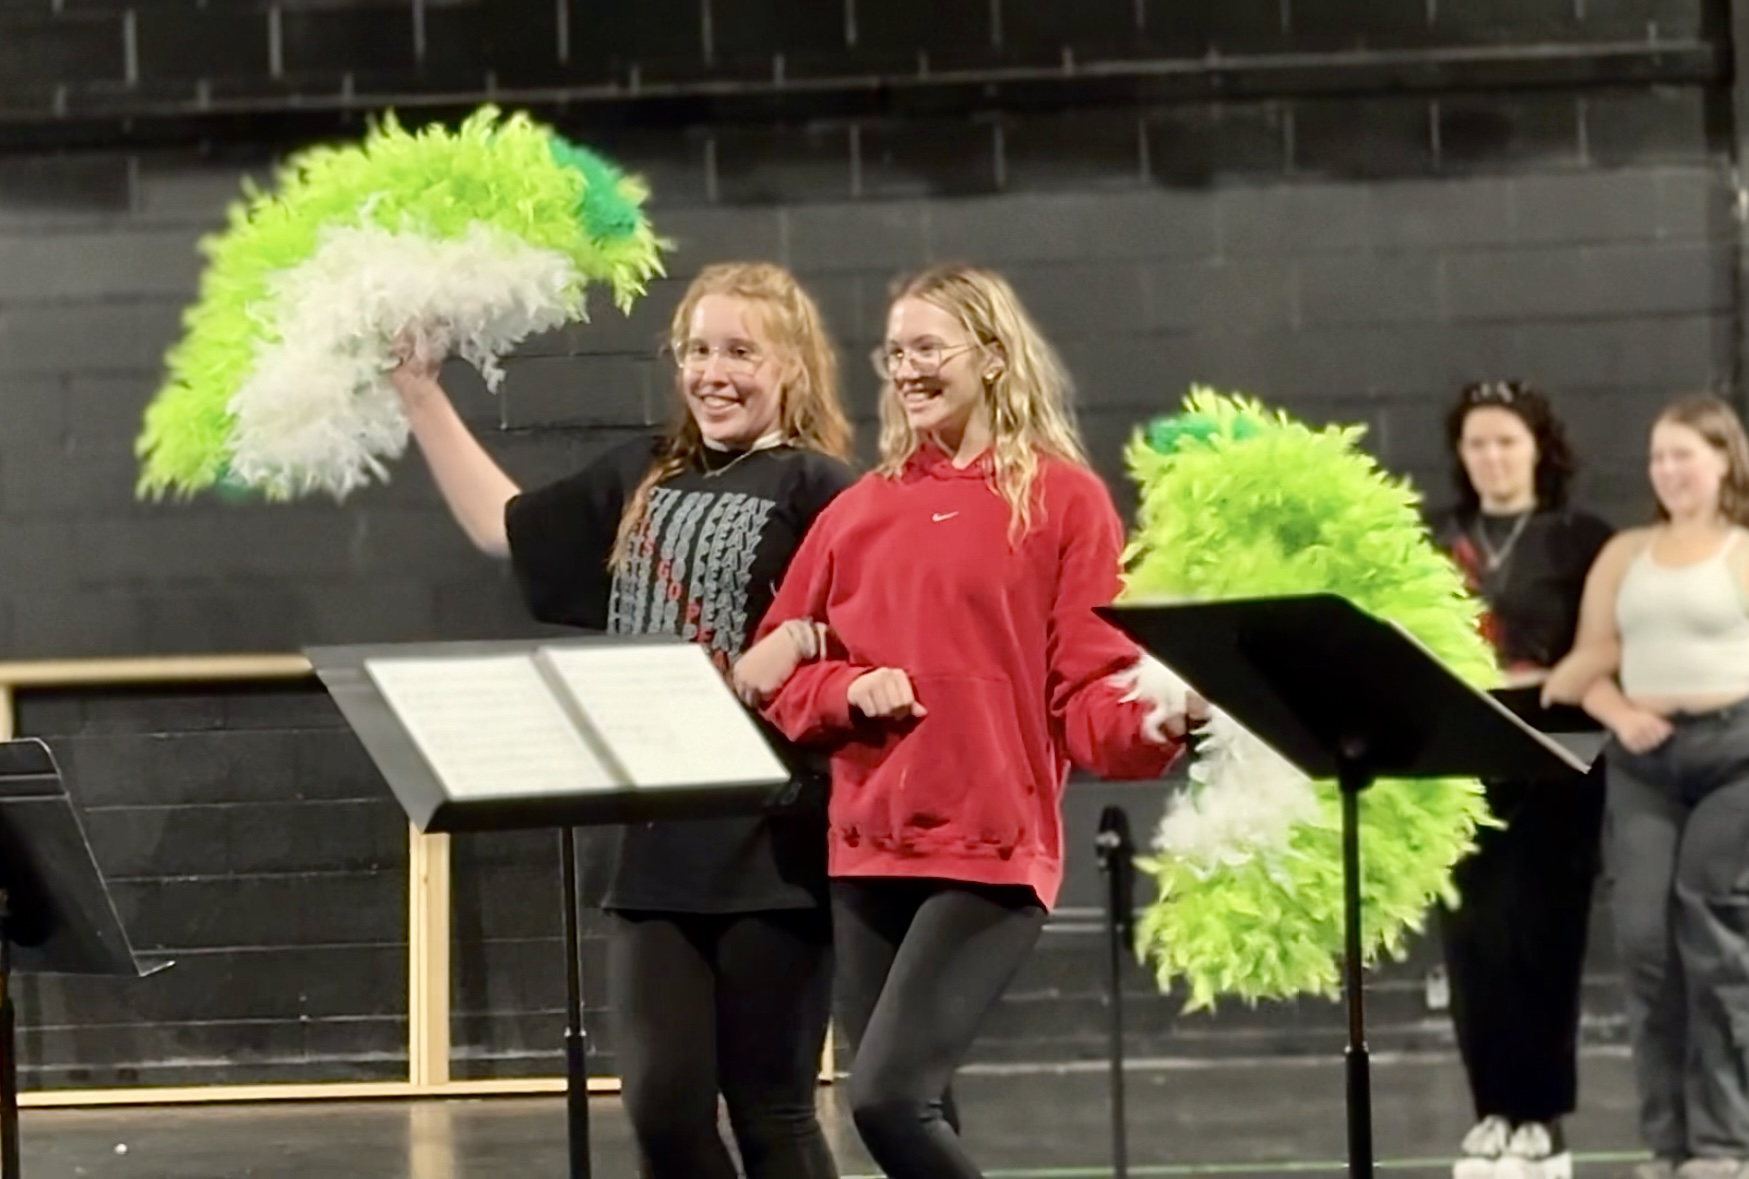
(1515, 945)
(719, 963)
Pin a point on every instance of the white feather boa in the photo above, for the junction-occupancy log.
(1245, 798)
(317, 412)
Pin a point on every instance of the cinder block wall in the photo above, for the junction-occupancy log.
(1351, 256)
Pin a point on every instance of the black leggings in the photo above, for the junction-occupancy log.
(1515, 947)
(920, 964)
(736, 1004)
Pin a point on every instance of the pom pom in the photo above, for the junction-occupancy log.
(1243, 798)
(1243, 802)
(317, 412)
(472, 239)
(1237, 502)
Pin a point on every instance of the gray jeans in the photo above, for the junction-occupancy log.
(1677, 857)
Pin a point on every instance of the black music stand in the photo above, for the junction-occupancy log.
(434, 807)
(56, 914)
(1574, 729)
(1344, 695)
(1116, 853)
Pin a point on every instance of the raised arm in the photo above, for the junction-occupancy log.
(473, 485)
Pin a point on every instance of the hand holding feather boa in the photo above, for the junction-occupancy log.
(465, 242)
(1238, 502)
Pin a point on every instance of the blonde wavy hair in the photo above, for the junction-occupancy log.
(810, 414)
(1029, 399)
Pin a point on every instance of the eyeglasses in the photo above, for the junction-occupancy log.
(694, 356)
(926, 359)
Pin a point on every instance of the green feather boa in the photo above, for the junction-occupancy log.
(572, 217)
(1239, 502)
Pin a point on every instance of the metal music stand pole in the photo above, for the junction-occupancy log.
(1116, 862)
(576, 1038)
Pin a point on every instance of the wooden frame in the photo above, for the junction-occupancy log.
(428, 917)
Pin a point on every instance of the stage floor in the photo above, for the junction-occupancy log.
(1235, 1118)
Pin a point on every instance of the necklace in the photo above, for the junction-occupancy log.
(1496, 557)
(710, 473)
(765, 442)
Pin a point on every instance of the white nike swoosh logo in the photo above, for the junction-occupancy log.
(940, 516)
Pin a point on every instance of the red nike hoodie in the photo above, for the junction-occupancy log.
(1003, 649)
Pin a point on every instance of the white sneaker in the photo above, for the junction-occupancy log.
(1531, 1154)
(1482, 1148)
(1712, 1168)
(1654, 1169)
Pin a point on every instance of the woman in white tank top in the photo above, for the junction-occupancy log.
(1662, 659)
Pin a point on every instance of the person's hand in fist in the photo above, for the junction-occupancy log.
(885, 694)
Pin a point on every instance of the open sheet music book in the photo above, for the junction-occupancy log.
(563, 718)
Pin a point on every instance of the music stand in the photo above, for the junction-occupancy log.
(1572, 728)
(56, 914)
(403, 729)
(1344, 695)
(1116, 853)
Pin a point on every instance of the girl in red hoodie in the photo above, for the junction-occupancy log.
(963, 670)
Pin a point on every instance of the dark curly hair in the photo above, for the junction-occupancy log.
(1555, 464)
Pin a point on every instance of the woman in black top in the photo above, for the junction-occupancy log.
(1515, 945)
(719, 949)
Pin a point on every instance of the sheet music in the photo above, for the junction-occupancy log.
(489, 726)
(666, 714)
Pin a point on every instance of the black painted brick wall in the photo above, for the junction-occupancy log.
(97, 55)
(247, 837)
(1599, 264)
(507, 957)
(1349, 259)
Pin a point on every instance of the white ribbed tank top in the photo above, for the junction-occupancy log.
(1685, 630)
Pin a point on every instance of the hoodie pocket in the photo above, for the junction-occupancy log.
(962, 777)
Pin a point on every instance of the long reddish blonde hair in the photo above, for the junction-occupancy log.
(810, 414)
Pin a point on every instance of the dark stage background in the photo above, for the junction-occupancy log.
(1347, 207)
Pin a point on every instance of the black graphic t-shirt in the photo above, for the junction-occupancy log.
(705, 565)
(1530, 572)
